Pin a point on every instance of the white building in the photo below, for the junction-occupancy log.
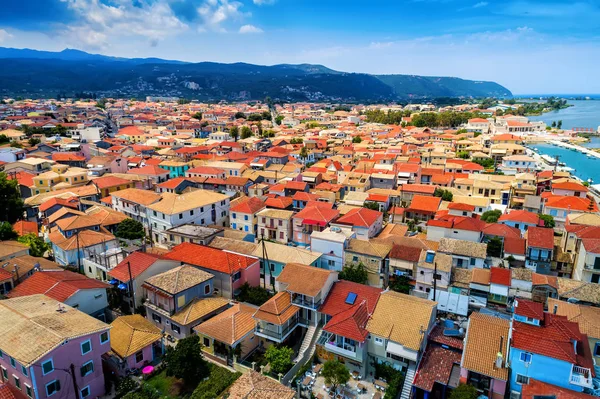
(332, 243)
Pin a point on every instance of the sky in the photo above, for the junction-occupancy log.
(529, 46)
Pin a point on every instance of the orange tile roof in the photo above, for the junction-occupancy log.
(278, 309)
(231, 325)
(23, 227)
(361, 217)
(210, 258)
(139, 262)
(59, 285)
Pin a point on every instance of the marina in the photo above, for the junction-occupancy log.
(583, 163)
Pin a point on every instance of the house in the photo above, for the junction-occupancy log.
(71, 243)
(255, 385)
(313, 218)
(374, 255)
(458, 227)
(500, 282)
(308, 287)
(42, 337)
(331, 243)
(278, 318)
(346, 311)
(108, 184)
(275, 225)
(465, 254)
(243, 214)
(170, 293)
(549, 348)
(135, 343)
(399, 338)
(538, 389)
(73, 289)
(231, 270)
(202, 207)
(134, 203)
(433, 273)
(276, 256)
(543, 287)
(540, 247)
(152, 173)
(230, 333)
(175, 168)
(485, 361)
(569, 188)
(131, 272)
(560, 207)
(520, 219)
(365, 223)
(422, 208)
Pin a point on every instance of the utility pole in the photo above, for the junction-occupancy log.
(434, 279)
(75, 387)
(78, 253)
(557, 157)
(131, 290)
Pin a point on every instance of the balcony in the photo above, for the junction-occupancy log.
(581, 376)
(592, 268)
(278, 333)
(159, 308)
(306, 301)
(337, 345)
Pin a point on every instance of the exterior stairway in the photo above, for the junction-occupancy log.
(408, 381)
(306, 342)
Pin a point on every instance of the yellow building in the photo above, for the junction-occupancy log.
(59, 177)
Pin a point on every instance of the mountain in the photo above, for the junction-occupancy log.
(34, 73)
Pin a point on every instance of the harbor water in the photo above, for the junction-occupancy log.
(585, 167)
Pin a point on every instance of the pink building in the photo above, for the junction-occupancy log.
(46, 344)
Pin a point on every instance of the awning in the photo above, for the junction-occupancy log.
(399, 350)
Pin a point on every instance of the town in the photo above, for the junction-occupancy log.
(167, 248)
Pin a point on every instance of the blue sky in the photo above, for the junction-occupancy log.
(530, 46)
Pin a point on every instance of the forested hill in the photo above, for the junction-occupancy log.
(32, 73)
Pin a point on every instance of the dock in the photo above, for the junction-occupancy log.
(578, 148)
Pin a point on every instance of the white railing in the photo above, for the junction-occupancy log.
(581, 376)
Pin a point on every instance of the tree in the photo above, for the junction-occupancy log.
(246, 132)
(401, 284)
(491, 216)
(553, 124)
(279, 119)
(371, 205)
(197, 115)
(11, 204)
(33, 141)
(185, 361)
(356, 273)
(240, 115)
(559, 125)
(357, 139)
(7, 232)
(130, 229)
(335, 373)
(494, 247)
(548, 220)
(463, 154)
(445, 194)
(4, 139)
(234, 132)
(303, 153)
(464, 391)
(37, 246)
(16, 144)
(253, 295)
(280, 358)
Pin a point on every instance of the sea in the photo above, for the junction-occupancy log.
(582, 113)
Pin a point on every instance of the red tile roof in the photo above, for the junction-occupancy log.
(24, 178)
(542, 279)
(250, 205)
(514, 246)
(520, 216)
(139, 261)
(570, 186)
(70, 202)
(279, 202)
(148, 170)
(461, 207)
(527, 308)
(316, 215)
(435, 366)
(538, 389)
(110, 181)
(336, 299)
(571, 203)
(296, 185)
(210, 258)
(418, 188)
(67, 156)
(59, 285)
(500, 276)
(406, 252)
(23, 227)
(540, 237)
(501, 230)
(361, 217)
(423, 204)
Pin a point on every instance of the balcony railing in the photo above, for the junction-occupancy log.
(591, 268)
(306, 302)
(581, 376)
(330, 343)
(279, 334)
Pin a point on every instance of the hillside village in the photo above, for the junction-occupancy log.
(302, 250)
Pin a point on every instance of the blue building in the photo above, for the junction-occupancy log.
(548, 348)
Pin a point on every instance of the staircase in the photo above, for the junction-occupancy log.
(408, 381)
(306, 342)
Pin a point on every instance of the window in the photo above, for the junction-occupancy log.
(206, 289)
(245, 217)
(597, 349)
(521, 379)
(175, 328)
(378, 341)
(233, 215)
(139, 357)
(85, 392)
(13, 362)
(17, 382)
(206, 342)
(237, 276)
(525, 357)
(192, 212)
(1, 355)
(24, 370)
(87, 368)
(181, 216)
(52, 387)
(86, 347)
(28, 391)
(472, 262)
(156, 318)
(47, 367)
(4, 374)
(355, 259)
(104, 337)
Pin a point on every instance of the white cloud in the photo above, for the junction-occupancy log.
(99, 22)
(264, 2)
(480, 4)
(216, 13)
(250, 29)
(4, 35)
